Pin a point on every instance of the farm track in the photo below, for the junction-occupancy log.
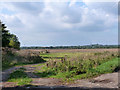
(104, 81)
(6, 73)
(30, 69)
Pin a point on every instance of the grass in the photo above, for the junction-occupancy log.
(15, 59)
(20, 77)
(72, 65)
(79, 66)
(59, 55)
(107, 67)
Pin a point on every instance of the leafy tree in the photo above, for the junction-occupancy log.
(14, 43)
(8, 40)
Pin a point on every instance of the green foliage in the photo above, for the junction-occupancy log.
(8, 60)
(107, 67)
(8, 40)
(82, 66)
(20, 77)
(14, 43)
(46, 73)
(5, 36)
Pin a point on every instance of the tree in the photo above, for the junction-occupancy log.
(8, 40)
(5, 35)
(14, 43)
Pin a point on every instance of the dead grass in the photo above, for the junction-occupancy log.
(68, 50)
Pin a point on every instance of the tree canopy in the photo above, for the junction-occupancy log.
(8, 39)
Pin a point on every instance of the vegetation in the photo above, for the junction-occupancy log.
(68, 66)
(8, 39)
(10, 47)
(93, 46)
(20, 77)
(107, 67)
(80, 66)
(13, 58)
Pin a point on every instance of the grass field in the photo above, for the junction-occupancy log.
(68, 64)
(57, 54)
(77, 65)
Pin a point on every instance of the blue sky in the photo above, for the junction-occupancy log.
(61, 23)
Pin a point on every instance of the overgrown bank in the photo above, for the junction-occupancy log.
(12, 57)
(82, 66)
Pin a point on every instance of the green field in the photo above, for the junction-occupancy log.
(78, 65)
(58, 56)
(66, 66)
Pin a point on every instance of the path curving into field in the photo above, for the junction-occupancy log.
(30, 69)
(103, 81)
(5, 76)
(37, 81)
(7, 72)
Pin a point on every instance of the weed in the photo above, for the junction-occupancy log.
(80, 66)
(20, 77)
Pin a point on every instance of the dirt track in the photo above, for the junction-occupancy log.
(104, 81)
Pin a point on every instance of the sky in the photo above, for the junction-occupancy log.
(61, 23)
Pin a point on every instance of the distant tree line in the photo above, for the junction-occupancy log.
(8, 40)
(93, 46)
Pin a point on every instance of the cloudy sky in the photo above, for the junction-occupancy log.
(61, 23)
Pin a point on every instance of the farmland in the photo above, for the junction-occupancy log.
(59, 65)
(63, 52)
(77, 64)
(68, 44)
(66, 65)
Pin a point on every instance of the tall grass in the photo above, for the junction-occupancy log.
(11, 58)
(69, 67)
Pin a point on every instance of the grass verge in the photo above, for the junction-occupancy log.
(20, 77)
(106, 67)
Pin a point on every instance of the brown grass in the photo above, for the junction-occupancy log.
(69, 50)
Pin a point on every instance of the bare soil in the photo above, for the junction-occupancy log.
(104, 81)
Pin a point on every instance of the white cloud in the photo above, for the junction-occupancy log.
(48, 22)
